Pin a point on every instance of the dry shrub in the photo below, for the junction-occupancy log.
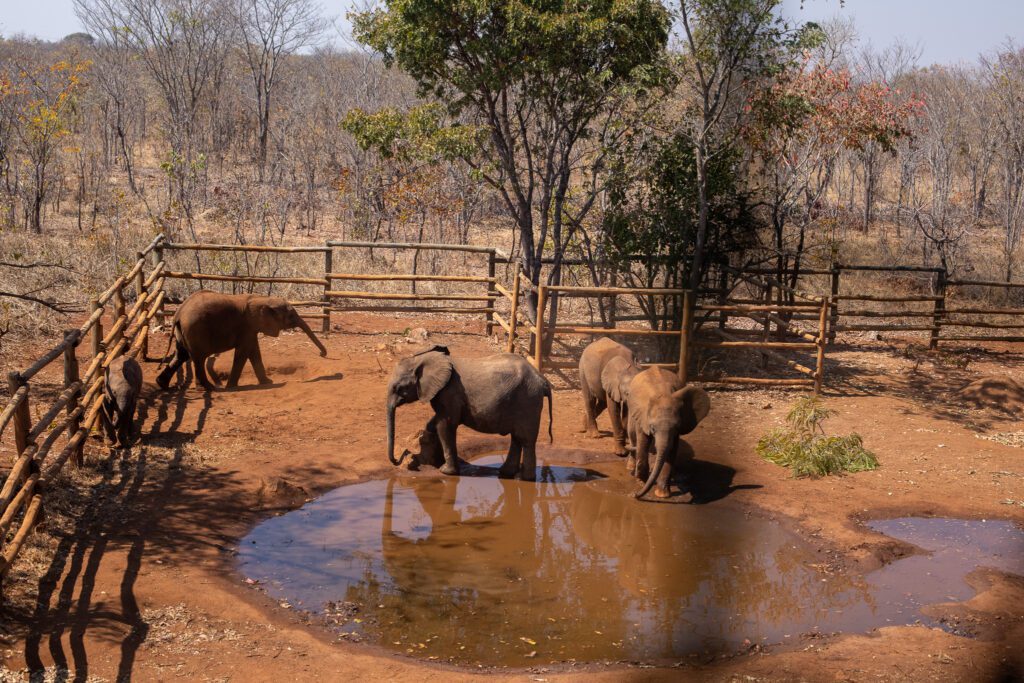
(804, 447)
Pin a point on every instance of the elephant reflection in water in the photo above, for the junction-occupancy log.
(497, 564)
(687, 568)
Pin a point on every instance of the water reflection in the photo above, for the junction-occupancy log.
(480, 569)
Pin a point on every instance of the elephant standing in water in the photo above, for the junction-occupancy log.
(500, 394)
(661, 410)
(606, 369)
(208, 323)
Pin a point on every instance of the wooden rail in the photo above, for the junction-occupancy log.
(23, 492)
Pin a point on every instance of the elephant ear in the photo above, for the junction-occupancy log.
(432, 374)
(694, 406)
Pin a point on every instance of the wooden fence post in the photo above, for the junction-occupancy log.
(70, 377)
(514, 317)
(97, 330)
(767, 335)
(684, 336)
(328, 269)
(819, 370)
(939, 312)
(22, 418)
(140, 292)
(834, 319)
(489, 315)
(723, 297)
(158, 257)
(538, 338)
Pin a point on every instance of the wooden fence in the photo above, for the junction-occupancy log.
(330, 299)
(24, 489)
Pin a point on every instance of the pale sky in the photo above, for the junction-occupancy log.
(946, 30)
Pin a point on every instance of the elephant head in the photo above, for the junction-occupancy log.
(271, 314)
(416, 378)
(667, 418)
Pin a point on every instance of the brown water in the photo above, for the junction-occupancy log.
(479, 570)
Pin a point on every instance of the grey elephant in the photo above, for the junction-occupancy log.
(606, 368)
(122, 385)
(499, 394)
(661, 410)
(208, 323)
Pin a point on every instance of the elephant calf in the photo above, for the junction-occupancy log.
(606, 368)
(120, 396)
(500, 394)
(661, 410)
(208, 323)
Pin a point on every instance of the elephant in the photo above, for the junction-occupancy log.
(123, 382)
(605, 368)
(661, 409)
(499, 394)
(208, 323)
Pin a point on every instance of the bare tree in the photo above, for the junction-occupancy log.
(270, 31)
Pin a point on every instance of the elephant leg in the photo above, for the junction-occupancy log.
(590, 406)
(163, 380)
(199, 367)
(237, 363)
(631, 454)
(106, 420)
(617, 430)
(528, 472)
(211, 372)
(257, 363)
(446, 431)
(511, 465)
(643, 449)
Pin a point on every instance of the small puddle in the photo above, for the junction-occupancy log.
(479, 570)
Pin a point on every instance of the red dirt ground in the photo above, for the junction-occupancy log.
(145, 588)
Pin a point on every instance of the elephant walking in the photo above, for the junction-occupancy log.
(500, 394)
(208, 323)
(661, 410)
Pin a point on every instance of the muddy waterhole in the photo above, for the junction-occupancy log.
(479, 570)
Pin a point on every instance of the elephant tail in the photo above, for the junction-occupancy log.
(551, 418)
(175, 335)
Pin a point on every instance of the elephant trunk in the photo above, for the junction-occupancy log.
(665, 444)
(309, 333)
(391, 407)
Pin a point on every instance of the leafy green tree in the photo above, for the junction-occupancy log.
(546, 81)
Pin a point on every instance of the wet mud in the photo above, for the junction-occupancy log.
(476, 570)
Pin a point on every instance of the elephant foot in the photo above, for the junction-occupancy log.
(631, 464)
(449, 468)
(620, 450)
(525, 475)
(265, 381)
(506, 473)
(593, 434)
(661, 493)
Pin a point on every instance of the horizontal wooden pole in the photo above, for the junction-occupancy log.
(136, 269)
(775, 285)
(711, 344)
(885, 328)
(157, 272)
(760, 317)
(246, 278)
(550, 364)
(418, 246)
(893, 299)
(91, 321)
(116, 329)
(743, 309)
(613, 331)
(411, 297)
(895, 269)
(153, 245)
(787, 273)
(986, 311)
(16, 475)
(109, 293)
(888, 314)
(979, 338)
(408, 309)
(409, 277)
(504, 292)
(774, 354)
(983, 283)
(62, 400)
(179, 246)
(53, 354)
(755, 380)
(55, 467)
(19, 499)
(802, 304)
(993, 326)
(569, 290)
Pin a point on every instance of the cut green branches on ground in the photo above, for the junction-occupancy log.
(804, 447)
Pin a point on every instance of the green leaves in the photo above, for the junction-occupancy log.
(804, 447)
(417, 135)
